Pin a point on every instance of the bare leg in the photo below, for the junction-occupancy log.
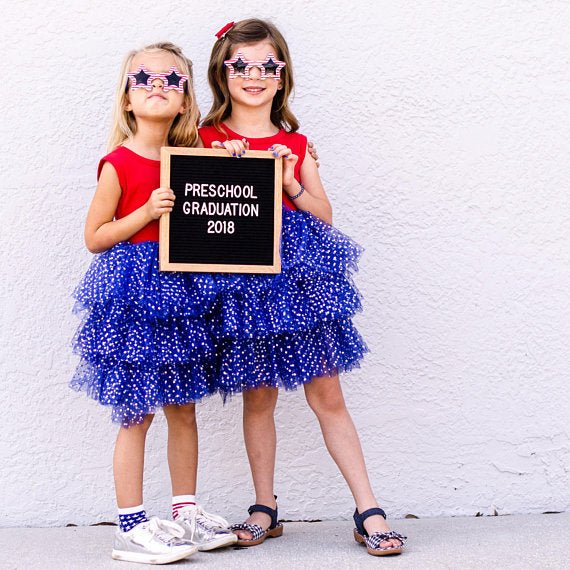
(182, 448)
(128, 463)
(324, 396)
(260, 442)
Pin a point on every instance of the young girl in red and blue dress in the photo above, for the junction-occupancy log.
(295, 328)
(144, 341)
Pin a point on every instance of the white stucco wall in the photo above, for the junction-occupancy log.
(443, 134)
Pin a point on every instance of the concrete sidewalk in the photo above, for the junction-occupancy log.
(504, 542)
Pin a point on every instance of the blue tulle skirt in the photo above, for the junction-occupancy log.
(283, 330)
(144, 340)
(150, 338)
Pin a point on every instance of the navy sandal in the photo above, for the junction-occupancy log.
(258, 534)
(373, 541)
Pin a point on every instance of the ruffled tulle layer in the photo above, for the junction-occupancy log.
(129, 273)
(151, 338)
(289, 360)
(119, 333)
(144, 340)
(135, 391)
(314, 285)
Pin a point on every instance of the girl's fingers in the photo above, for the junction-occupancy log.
(283, 152)
(276, 148)
(164, 199)
(272, 148)
(228, 146)
(240, 146)
(232, 148)
(313, 151)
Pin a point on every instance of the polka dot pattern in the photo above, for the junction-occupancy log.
(150, 338)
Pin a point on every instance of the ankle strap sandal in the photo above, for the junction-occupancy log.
(373, 541)
(258, 534)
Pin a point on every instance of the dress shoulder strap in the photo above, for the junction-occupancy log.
(118, 158)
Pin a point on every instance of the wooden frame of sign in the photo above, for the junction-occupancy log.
(227, 213)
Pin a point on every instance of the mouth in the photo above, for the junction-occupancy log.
(156, 95)
(254, 90)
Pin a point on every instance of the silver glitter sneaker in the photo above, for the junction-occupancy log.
(153, 542)
(205, 530)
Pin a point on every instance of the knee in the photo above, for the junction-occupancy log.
(181, 416)
(144, 426)
(260, 401)
(326, 402)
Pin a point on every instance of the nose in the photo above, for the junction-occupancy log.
(257, 74)
(157, 82)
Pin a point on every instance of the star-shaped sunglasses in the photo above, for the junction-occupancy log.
(142, 79)
(240, 67)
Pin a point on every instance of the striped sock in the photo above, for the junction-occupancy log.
(131, 517)
(181, 501)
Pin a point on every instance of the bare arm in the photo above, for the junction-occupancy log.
(314, 199)
(102, 231)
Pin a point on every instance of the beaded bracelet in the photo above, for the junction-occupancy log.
(298, 193)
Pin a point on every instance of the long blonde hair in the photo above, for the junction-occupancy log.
(184, 129)
(250, 31)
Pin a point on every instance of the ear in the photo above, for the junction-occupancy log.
(279, 85)
(128, 106)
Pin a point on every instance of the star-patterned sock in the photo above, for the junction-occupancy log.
(131, 517)
(181, 501)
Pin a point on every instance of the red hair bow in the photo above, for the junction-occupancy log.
(227, 27)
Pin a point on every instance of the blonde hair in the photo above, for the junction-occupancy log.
(184, 129)
(250, 31)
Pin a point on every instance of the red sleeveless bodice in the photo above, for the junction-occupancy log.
(138, 177)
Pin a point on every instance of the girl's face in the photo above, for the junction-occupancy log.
(154, 102)
(253, 91)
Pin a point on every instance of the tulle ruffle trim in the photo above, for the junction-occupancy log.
(134, 392)
(315, 284)
(289, 360)
(118, 333)
(129, 273)
(310, 242)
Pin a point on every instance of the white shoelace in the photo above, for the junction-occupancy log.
(198, 515)
(164, 530)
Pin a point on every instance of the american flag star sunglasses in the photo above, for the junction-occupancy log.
(143, 78)
(239, 66)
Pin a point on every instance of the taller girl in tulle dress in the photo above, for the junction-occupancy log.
(295, 328)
